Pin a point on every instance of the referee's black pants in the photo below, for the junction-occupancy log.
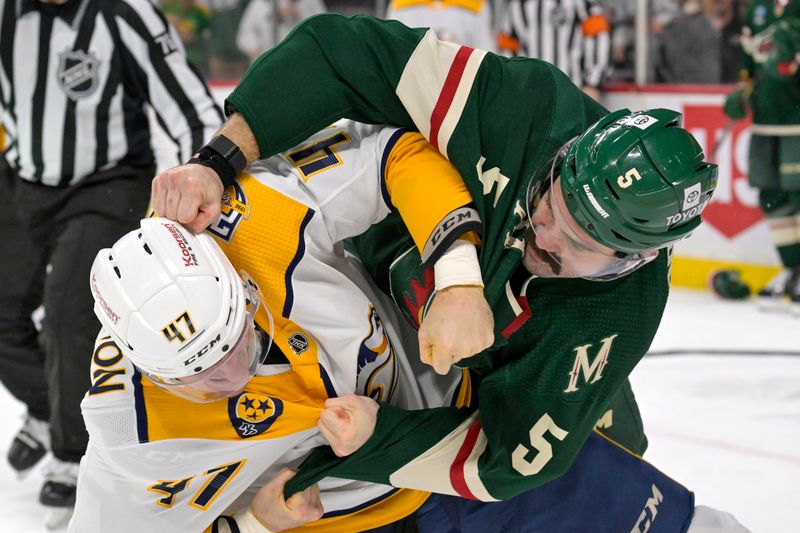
(49, 237)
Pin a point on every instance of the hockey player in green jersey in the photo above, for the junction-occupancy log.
(604, 206)
(771, 86)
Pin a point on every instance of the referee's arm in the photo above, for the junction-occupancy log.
(176, 91)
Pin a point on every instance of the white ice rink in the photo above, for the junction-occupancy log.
(727, 426)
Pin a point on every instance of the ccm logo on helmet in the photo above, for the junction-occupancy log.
(188, 257)
(204, 350)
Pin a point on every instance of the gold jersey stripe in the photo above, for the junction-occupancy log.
(464, 390)
(267, 265)
(416, 175)
(471, 5)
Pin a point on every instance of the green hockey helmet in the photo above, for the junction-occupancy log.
(636, 182)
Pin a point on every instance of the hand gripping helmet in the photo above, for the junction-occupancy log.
(637, 181)
(178, 310)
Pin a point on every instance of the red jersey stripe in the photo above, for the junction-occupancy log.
(457, 478)
(448, 92)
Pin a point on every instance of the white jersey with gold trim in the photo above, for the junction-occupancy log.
(156, 462)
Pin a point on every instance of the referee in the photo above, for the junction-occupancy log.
(76, 77)
(574, 35)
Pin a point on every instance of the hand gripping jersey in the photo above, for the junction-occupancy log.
(563, 347)
(156, 462)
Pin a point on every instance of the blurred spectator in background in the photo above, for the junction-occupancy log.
(225, 61)
(191, 21)
(622, 15)
(574, 35)
(260, 29)
(771, 87)
(701, 45)
(466, 22)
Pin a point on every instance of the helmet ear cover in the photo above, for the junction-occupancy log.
(637, 181)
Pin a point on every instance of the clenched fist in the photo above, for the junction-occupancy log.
(348, 422)
(459, 324)
(189, 194)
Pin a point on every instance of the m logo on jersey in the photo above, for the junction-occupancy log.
(234, 210)
(253, 414)
(77, 73)
(593, 371)
(377, 363)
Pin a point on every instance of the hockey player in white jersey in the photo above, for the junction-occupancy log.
(256, 362)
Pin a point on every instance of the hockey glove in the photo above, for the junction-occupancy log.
(735, 105)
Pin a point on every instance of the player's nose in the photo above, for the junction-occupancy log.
(547, 239)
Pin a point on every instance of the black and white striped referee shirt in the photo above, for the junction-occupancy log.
(571, 34)
(74, 81)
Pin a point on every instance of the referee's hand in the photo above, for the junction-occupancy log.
(189, 194)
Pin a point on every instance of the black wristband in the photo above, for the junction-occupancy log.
(223, 157)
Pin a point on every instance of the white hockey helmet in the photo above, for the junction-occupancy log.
(178, 310)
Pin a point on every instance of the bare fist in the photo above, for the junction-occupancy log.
(189, 194)
(459, 324)
(348, 422)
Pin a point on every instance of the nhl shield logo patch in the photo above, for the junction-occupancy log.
(253, 414)
(77, 73)
(298, 343)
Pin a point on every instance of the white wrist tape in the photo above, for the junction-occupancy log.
(458, 266)
(248, 523)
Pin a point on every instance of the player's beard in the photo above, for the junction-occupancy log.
(537, 261)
